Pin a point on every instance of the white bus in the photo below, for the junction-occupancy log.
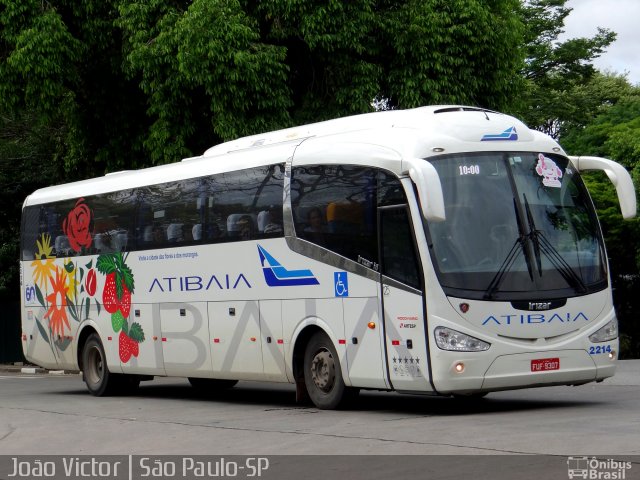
(441, 250)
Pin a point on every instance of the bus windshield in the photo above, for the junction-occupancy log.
(519, 225)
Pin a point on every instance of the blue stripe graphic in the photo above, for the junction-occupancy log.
(278, 276)
(509, 134)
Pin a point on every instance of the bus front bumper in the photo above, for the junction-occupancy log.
(524, 370)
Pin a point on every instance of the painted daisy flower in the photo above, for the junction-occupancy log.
(43, 264)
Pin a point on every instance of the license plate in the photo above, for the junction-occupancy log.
(545, 364)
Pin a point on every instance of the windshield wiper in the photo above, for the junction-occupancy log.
(542, 244)
(510, 258)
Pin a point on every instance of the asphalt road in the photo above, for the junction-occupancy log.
(47, 414)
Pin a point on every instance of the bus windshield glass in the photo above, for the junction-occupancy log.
(518, 225)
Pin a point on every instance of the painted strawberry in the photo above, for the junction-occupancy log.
(118, 285)
(125, 347)
(129, 342)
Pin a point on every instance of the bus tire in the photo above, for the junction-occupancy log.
(323, 375)
(99, 380)
(211, 384)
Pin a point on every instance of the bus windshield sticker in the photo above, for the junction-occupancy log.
(549, 171)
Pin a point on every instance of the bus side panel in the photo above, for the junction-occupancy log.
(235, 339)
(185, 339)
(36, 348)
(365, 348)
(150, 360)
(272, 340)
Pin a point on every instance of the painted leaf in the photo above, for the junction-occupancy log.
(127, 276)
(72, 309)
(136, 333)
(39, 295)
(89, 265)
(106, 264)
(64, 343)
(117, 321)
(43, 332)
(69, 267)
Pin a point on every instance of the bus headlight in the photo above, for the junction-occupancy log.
(448, 339)
(606, 333)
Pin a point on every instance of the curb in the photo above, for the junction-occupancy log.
(34, 370)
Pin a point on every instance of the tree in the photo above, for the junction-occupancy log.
(614, 133)
(555, 71)
(138, 83)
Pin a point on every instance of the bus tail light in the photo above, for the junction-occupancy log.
(452, 340)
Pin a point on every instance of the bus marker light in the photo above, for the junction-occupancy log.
(395, 342)
(109, 338)
(253, 339)
(371, 325)
(612, 355)
(216, 340)
(280, 341)
(155, 338)
(164, 339)
(24, 337)
(342, 341)
(459, 367)
(464, 307)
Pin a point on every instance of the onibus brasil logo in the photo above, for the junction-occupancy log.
(594, 468)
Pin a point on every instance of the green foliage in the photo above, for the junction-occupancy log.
(555, 72)
(202, 69)
(614, 134)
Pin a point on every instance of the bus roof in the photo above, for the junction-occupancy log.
(425, 130)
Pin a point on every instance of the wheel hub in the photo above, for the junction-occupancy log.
(323, 370)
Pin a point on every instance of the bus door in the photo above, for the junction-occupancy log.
(402, 301)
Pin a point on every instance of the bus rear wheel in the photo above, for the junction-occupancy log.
(99, 380)
(323, 375)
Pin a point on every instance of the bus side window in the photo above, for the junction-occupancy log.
(344, 196)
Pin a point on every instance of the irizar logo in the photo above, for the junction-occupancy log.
(531, 318)
(509, 134)
(277, 276)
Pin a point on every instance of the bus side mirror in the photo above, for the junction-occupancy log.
(618, 175)
(427, 181)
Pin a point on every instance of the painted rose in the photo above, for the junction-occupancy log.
(77, 226)
(90, 282)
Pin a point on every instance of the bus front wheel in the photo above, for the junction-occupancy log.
(323, 375)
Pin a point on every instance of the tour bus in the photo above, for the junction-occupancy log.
(443, 250)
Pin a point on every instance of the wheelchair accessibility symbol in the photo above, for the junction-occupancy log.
(341, 284)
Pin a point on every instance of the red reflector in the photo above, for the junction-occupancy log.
(544, 364)
(216, 340)
(109, 338)
(342, 342)
(164, 339)
(155, 338)
(395, 342)
(24, 337)
(280, 341)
